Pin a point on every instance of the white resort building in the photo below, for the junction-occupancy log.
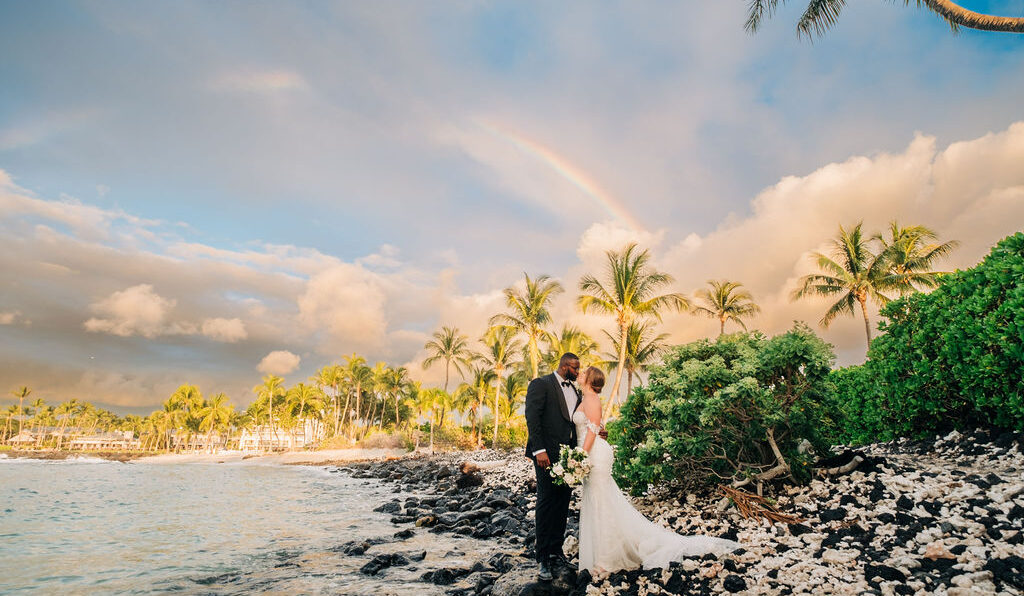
(263, 438)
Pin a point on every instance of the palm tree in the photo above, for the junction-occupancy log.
(431, 400)
(358, 375)
(215, 414)
(393, 381)
(450, 346)
(820, 15)
(270, 391)
(630, 292)
(909, 255)
(65, 412)
(473, 394)
(725, 301)
(570, 340)
(12, 410)
(21, 394)
(38, 407)
(642, 347)
(332, 376)
(514, 388)
(853, 271)
(500, 346)
(529, 313)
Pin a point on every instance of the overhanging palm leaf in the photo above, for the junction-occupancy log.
(820, 15)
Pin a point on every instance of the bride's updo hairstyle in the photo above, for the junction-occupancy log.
(596, 378)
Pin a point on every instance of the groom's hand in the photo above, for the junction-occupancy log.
(543, 461)
(603, 433)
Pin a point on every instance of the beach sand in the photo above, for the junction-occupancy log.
(325, 457)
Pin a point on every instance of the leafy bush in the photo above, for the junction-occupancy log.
(386, 440)
(949, 359)
(712, 410)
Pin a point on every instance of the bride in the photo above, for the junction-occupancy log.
(614, 535)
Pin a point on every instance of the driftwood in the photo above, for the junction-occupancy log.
(781, 469)
(843, 469)
(756, 506)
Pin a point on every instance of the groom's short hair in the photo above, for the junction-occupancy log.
(566, 358)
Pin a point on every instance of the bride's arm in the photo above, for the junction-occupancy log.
(592, 409)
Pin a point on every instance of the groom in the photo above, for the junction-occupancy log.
(550, 403)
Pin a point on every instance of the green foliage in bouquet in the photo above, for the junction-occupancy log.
(732, 409)
(949, 359)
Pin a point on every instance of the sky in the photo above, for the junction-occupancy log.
(207, 192)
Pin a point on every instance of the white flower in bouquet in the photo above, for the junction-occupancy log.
(572, 467)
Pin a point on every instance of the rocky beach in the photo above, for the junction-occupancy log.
(937, 516)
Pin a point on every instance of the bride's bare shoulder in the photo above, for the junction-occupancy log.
(592, 408)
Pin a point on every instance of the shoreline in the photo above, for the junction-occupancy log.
(294, 458)
(942, 515)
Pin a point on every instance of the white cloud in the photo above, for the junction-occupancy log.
(278, 362)
(260, 81)
(137, 310)
(346, 304)
(971, 191)
(226, 330)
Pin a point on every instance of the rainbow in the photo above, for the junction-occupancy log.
(566, 170)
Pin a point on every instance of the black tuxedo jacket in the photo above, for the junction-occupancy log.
(548, 420)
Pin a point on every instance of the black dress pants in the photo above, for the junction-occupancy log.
(552, 511)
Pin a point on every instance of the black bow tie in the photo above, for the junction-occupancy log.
(566, 383)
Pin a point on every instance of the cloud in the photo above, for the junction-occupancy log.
(226, 330)
(260, 81)
(346, 305)
(970, 191)
(9, 317)
(137, 310)
(278, 362)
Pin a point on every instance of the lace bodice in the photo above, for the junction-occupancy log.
(583, 424)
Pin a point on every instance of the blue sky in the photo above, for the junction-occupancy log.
(213, 182)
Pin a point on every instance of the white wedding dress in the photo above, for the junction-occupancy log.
(614, 535)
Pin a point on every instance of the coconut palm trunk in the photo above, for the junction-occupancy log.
(614, 397)
(497, 398)
(975, 20)
(863, 300)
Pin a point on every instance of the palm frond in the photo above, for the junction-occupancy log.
(819, 16)
(757, 12)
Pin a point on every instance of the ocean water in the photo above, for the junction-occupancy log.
(87, 526)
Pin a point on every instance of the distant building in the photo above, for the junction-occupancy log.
(263, 438)
(117, 440)
(22, 439)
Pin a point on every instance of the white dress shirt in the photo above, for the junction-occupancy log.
(569, 394)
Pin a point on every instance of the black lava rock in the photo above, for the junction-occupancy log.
(883, 572)
(381, 562)
(904, 502)
(734, 583)
(1009, 571)
(829, 515)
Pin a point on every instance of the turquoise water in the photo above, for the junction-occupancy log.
(90, 527)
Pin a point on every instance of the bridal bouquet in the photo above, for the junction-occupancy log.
(572, 467)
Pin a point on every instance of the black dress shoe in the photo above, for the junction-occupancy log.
(558, 562)
(544, 572)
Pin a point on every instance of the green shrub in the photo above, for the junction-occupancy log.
(707, 412)
(858, 399)
(509, 436)
(949, 359)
